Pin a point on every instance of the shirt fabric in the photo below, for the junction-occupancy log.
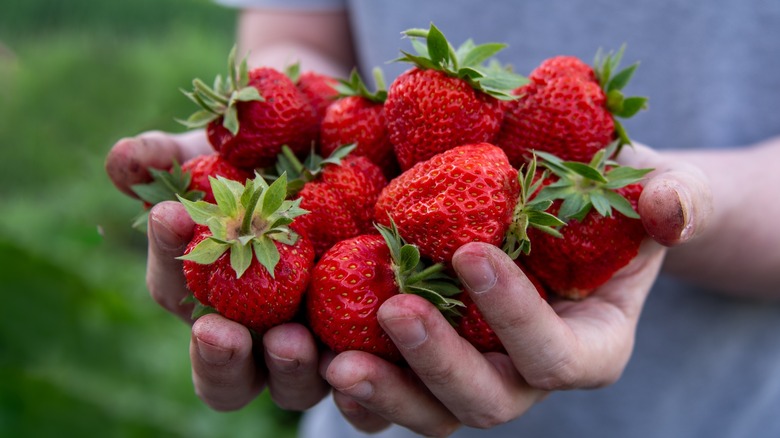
(704, 365)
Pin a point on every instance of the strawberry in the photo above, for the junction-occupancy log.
(339, 192)
(569, 110)
(596, 241)
(358, 117)
(357, 275)
(252, 114)
(320, 89)
(469, 193)
(447, 99)
(245, 261)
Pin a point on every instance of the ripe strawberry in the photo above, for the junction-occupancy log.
(338, 192)
(568, 110)
(357, 275)
(250, 116)
(466, 194)
(471, 325)
(320, 89)
(358, 117)
(596, 242)
(561, 66)
(447, 99)
(245, 261)
(190, 181)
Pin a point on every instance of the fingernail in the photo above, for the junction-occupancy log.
(212, 354)
(362, 390)
(284, 364)
(476, 272)
(407, 332)
(685, 214)
(163, 235)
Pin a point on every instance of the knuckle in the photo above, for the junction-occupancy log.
(562, 375)
(487, 418)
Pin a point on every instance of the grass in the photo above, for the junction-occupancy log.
(84, 351)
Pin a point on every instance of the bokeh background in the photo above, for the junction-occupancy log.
(84, 351)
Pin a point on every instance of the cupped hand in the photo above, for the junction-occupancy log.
(228, 369)
(550, 346)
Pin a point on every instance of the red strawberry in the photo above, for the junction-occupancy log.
(358, 117)
(467, 194)
(244, 260)
(471, 325)
(250, 116)
(568, 110)
(354, 278)
(448, 99)
(561, 66)
(320, 89)
(596, 242)
(339, 193)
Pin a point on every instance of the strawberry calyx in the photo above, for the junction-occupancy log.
(355, 86)
(467, 62)
(530, 211)
(413, 276)
(612, 82)
(299, 173)
(584, 186)
(246, 220)
(166, 185)
(220, 99)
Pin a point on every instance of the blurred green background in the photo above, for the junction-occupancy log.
(84, 351)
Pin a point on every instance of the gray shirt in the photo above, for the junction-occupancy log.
(704, 365)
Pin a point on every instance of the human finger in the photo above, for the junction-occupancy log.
(387, 394)
(676, 201)
(576, 344)
(224, 371)
(129, 159)
(170, 230)
(292, 360)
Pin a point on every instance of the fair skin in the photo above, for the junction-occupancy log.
(703, 226)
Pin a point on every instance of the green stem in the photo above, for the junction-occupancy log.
(246, 223)
(427, 272)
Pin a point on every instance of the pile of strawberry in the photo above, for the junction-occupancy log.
(322, 198)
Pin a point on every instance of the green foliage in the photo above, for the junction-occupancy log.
(84, 350)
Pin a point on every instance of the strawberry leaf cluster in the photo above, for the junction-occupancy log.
(246, 221)
(467, 62)
(220, 99)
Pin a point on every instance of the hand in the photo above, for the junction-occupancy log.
(228, 371)
(562, 345)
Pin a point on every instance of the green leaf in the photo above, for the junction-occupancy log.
(585, 171)
(240, 257)
(248, 94)
(543, 218)
(481, 53)
(230, 121)
(274, 196)
(206, 252)
(266, 253)
(621, 204)
(631, 106)
(601, 204)
(622, 78)
(438, 47)
(574, 206)
(226, 200)
(410, 257)
(200, 211)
